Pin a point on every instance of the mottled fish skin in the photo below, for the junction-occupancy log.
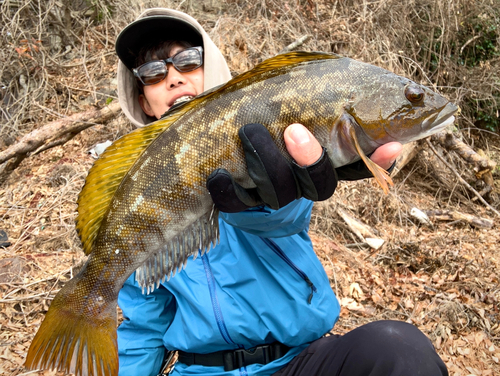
(161, 212)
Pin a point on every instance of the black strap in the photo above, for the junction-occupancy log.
(234, 359)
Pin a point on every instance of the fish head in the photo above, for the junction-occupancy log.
(394, 108)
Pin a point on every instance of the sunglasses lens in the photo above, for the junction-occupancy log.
(153, 72)
(187, 60)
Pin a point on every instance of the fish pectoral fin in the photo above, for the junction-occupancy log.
(381, 176)
(200, 236)
(349, 134)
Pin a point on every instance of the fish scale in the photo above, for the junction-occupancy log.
(145, 205)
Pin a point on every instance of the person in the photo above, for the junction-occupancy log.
(259, 303)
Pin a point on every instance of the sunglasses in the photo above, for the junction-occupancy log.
(184, 61)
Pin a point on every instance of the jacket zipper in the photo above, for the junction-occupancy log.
(215, 301)
(217, 309)
(275, 247)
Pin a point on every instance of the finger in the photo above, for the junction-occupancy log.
(227, 195)
(302, 145)
(386, 154)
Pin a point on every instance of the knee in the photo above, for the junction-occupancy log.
(397, 345)
(395, 333)
(387, 336)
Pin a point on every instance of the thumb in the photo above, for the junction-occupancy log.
(302, 145)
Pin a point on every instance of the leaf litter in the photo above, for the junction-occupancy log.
(442, 277)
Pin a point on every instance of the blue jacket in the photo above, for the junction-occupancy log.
(262, 283)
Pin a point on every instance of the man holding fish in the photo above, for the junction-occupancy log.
(259, 302)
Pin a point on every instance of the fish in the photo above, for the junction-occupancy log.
(145, 206)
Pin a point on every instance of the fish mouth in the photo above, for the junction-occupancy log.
(441, 121)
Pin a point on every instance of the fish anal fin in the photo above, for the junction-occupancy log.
(201, 236)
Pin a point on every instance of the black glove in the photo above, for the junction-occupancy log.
(357, 171)
(278, 182)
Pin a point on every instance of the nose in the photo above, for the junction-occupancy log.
(174, 78)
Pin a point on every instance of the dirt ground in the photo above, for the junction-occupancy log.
(441, 276)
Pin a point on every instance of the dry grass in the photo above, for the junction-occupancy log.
(57, 58)
(55, 52)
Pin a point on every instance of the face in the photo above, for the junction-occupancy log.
(159, 97)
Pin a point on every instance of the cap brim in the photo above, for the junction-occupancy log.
(150, 30)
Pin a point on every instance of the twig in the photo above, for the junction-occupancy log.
(61, 141)
(83, 62)
(25, 287)
(334, 274)
(408, 153)
(45, 295)
(299, 42)
(469, 41)
(356, 245)
(461, 179)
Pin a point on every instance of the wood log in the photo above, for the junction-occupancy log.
(52, 134)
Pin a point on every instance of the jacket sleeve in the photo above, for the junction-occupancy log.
(268, 223)
(140, 336)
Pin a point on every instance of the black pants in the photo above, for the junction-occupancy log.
(381, 348)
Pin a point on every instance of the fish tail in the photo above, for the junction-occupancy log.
(73, 342)
(381, 176)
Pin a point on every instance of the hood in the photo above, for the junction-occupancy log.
(216, 71)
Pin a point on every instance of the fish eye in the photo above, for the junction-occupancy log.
(414, 94)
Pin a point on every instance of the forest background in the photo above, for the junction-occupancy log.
(57, 61)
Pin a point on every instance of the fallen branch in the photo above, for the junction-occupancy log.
(364, 232)
(462, 179)
(52, 134)
(482, 166)
(450, 215)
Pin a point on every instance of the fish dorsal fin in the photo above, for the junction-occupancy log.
(107, 173)
(200, 236)
(272, 64)
(281, 61)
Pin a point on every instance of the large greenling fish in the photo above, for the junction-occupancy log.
(145, 204)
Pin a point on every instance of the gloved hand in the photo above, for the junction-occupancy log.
(278, 181)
